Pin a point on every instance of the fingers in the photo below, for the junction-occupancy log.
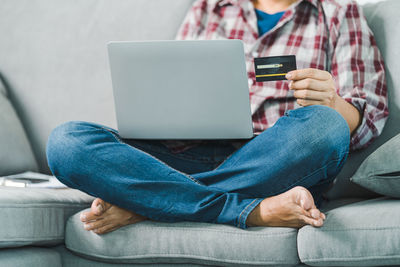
(305, 102)
(313, 87)
(308, 73)
(310, 95)
(312, 84)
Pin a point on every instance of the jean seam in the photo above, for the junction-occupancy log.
(116, 136)
(184, 174)
(244, 211)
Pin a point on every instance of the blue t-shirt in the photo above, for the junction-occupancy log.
(267, 21)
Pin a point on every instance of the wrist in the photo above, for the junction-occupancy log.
(348, 112)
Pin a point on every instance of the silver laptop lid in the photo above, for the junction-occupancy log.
(181, 89)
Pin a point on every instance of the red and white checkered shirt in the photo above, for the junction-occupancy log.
(330, 35)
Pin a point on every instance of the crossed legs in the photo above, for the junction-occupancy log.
(262, 183)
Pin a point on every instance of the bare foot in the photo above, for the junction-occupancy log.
(294, 208)
(104, 217)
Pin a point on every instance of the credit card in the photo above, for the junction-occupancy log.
(273, 68)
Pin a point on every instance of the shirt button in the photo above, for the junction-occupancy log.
(251, 82)
(254, 54)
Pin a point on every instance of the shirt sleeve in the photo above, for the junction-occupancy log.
(358, 70)
(194, 22)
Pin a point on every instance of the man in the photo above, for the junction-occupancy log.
(304, 127)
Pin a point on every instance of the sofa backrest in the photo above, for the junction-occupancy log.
(53, 53)
(16, 154)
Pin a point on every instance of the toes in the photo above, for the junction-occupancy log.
(106, 229)
(302, 197)
(98, 206)
(88, 216)
(313, 217)
(318, 223)
(316, 214)
(84, 216)
(95, 225)
(311, 221)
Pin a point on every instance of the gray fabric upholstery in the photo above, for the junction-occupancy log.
(3, 90)
(69, 259)
(37, 216)
(54, 55)
(328, 205)
(366, 233)
(15, 151)
(197, 243)
(30, 256)
(383, 19)
(380, 172)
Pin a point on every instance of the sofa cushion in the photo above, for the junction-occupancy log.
(15, 153)
(70, 259)
(31, 216)
(380, 172)
(366, 233)
(185, 242)
(328, 205)
(30, 256)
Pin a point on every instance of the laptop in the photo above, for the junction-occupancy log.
(181, 89)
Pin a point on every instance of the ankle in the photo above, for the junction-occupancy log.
(254, 218)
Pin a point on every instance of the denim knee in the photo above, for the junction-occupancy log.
(330, 133)
(335, 129)
(323, 131)
(63, 149)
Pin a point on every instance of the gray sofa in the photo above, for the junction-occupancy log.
(54, 64)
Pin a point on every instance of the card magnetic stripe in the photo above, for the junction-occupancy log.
(270, 75)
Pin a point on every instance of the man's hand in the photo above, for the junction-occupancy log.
(313, 87)
(316, 87)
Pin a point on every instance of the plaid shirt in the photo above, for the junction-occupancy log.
(330, 35)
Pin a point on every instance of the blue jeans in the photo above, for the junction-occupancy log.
(211, 183)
